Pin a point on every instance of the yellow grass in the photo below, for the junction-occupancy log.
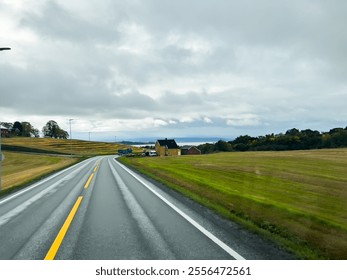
(20, 168)
(75, 147)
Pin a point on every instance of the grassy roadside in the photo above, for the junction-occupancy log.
(29, 159)
(20, 169)
(297, 198)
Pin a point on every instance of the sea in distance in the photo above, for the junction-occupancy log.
(180, 142)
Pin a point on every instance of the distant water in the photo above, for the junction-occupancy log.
(179, 144)
(192, 143)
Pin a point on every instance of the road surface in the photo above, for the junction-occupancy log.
(99, 209)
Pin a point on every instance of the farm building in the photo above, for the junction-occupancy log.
(167, 147)
(190, 150)
(4, 131)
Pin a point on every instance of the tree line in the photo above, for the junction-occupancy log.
(25, 129)
(293, 139)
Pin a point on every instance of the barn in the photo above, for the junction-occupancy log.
(190, 150)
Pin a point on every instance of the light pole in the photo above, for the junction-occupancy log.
(1, 49)
(70, 120)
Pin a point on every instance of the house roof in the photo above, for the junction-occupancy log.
(186, 147)
(169, 143)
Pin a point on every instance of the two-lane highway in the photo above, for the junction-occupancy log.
(99, 209)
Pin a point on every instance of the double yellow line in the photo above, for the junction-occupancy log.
(60, 237)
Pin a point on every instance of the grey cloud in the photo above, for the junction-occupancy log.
(57, 23)
(283, 63)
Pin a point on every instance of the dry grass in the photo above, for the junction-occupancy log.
(75, 147)
(20, 168)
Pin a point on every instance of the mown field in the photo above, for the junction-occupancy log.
(75, 147)
(21, 168)
(296, 198)
(28, 159)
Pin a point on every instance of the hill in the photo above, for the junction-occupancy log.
(60, 146)
(29, 159)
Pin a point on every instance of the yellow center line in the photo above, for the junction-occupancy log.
(60, 237)
(89, 180)
(96, 167)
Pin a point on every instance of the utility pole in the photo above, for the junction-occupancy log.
(1, 157)
(70, 120)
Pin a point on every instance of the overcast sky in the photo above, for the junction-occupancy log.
(163, 68)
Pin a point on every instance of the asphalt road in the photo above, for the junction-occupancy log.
(99, 209)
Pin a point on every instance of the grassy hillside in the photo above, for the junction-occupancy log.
(75, 147)
(21, 168)
(28, 159)
(297, 198)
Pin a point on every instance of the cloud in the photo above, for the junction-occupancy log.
(207, 120)
(180, 67)
(244, 120)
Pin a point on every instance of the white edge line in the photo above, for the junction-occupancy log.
(220, 243)
(39, 183)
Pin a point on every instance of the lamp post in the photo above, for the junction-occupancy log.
(1, 158)
(70, 120)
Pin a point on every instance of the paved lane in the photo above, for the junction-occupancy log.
(30, 218)
(99, 209)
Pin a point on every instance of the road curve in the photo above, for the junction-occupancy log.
(99, 209)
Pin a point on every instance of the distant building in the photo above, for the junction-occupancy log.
(4, 131)
(190, 150)
(123, 152)
(167, 147)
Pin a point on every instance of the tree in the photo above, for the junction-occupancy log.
(17, 129)
(293, 132)
(311, 139)
(28, 130)
(52, 130)
(338, 138)
(206, 148)
(243, 143)
(36, 133)
(223, 146)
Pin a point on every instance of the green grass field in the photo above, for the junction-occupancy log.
(297, 198)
